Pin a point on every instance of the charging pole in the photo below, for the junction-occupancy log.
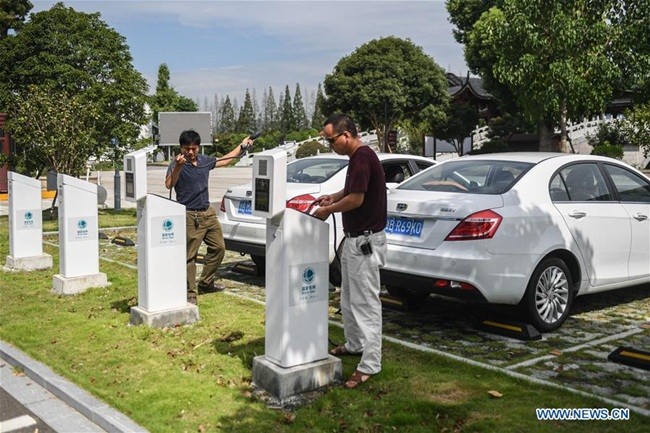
(78, 237)
(117, 190)
(25, 225)
(297, 289)
(161, 244)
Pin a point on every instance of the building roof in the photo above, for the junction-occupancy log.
(474, 85)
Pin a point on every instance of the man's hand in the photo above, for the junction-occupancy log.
(324, 200)
(322, 213)
(180, 160)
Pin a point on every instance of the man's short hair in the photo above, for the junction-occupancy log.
(341, 123)
(189, 137)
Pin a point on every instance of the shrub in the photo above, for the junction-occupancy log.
(491, 147)
(311, 148)
(607, 149)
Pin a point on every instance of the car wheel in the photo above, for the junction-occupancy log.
(549, 295)
(413, 296)
(260, 264)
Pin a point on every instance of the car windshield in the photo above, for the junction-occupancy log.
(314, 170)
(469, 176)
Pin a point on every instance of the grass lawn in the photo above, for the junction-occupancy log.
(197, 378)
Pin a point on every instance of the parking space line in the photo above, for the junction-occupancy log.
(17, 423)
(607, 339)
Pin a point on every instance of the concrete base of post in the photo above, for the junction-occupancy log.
(283, 383)
(33, 263)
(162, 319)
(74, 285)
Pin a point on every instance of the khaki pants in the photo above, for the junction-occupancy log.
(203, 227)
(360, 303)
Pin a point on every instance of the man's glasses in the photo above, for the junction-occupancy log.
(331, 140)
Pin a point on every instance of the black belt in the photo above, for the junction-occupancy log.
(357, 234)
(198, 210)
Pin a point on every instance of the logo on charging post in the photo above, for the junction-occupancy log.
(308, 286)
(28, 221)
(82, 228)
(168, 225)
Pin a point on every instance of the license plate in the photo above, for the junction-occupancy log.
(405, 226)
(244, 207)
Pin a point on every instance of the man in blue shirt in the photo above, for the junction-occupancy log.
(188, 174)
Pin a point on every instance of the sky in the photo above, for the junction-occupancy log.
(225, 47)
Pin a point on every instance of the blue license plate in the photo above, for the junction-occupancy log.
(244, 207)
(405, 226)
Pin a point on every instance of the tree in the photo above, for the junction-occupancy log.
(246, 121)
(458, 124)
(318, 118)
(299, 115)
(78, 56)
(636, 127)
(269, 116)
(386, 81)
(556, 60)
(167, 98)
(287, 117)
(12, 15)
(56, 130)
(227, 116)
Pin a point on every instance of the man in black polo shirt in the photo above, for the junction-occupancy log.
(363, 204)
(188, 174)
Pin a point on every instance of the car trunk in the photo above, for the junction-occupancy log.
(423, 219)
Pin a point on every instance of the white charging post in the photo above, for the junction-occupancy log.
(297, 288)
(78, 237)
(25, 225)
(162, 293)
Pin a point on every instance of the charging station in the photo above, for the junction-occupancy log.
(78, 237)
(297, 289)
(25, 225)
(161, 246)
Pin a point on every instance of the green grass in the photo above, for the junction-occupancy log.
(197, 378)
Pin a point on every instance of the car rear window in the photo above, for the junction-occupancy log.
(316, 170)
(467, 176)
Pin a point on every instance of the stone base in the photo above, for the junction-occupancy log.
(283, 383)
(33, 263)
(73, 285)
(161, 319)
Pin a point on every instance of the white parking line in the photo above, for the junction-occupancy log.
(18, 423)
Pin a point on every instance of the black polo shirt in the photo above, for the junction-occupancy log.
(192, 185)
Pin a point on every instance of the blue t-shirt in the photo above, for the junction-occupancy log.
(192, 185)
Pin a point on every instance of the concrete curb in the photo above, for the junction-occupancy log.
(91, 407)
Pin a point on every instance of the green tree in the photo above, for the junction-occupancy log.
(384, 82)
(76, 55)
(12, 15)
(463, 14)
(287, 117)
(226, 116)
(555, 60)
(299, 110)
(246, 121)
(318, 117)
(167, 98)
(56, 130)
(636, 127)
(270, 111)
(458, 124)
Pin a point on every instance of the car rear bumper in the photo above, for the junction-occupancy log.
(498, 279)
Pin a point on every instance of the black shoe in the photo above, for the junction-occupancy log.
(211, 288)
(192, 300)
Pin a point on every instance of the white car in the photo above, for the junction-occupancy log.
(307, 179)
(527, 229)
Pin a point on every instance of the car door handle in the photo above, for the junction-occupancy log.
(640, 217)
(577, 214)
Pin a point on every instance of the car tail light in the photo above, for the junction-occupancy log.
(480, 225)
(222, 208)
(301, 203)
(458, 285)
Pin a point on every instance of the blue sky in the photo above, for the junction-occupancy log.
(224, 47)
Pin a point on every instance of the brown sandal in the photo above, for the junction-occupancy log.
(342, 351)
(357, 379)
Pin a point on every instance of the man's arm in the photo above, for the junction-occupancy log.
(225, 160)
(172, 177)
(343, 204)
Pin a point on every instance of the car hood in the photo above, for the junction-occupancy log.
(439, 212)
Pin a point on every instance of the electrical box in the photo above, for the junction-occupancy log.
(135, 174)
(25, 217)
(269, 183)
